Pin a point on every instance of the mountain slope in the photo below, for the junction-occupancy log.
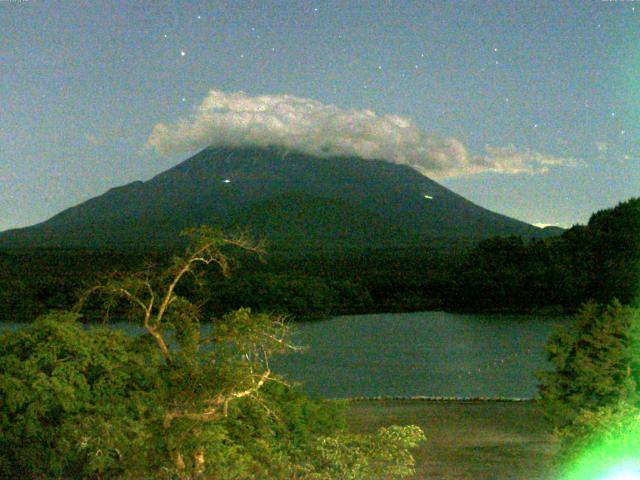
(283, 195)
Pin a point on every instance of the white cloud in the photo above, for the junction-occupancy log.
(309, 126)
(511, 160)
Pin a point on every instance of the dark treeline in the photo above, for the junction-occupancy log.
(598, 261)
(35, 282)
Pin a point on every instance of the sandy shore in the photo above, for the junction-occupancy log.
(468, 440)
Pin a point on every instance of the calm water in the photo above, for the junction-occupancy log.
(411, 354)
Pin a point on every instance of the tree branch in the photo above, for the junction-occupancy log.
(220, 401)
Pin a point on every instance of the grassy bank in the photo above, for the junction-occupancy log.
(468, 440)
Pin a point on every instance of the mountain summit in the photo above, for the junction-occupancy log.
(282, 195)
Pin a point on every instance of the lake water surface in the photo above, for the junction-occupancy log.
(422, 354)
(418, 354)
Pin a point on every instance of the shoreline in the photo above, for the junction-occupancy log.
(436, 399)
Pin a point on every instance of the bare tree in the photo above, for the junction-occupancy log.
(241, 341)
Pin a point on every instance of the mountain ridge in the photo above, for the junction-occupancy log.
(268, 190)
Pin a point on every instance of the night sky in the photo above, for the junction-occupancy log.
(529, 108)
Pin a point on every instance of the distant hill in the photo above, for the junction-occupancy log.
(288, 197)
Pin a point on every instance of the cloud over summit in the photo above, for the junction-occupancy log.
(315, 128)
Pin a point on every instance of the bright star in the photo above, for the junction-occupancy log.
(182, 53)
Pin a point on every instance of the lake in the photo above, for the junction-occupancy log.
(418, 354)
(422, 354)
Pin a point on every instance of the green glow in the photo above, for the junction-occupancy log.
(615, 455)
(630, 471)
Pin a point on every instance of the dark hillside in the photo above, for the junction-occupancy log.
(282, 195)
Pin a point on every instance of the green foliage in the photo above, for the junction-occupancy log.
(33, 282)
(614, 247)
(603, 443)
(384, 455)
(69, 398)
(599, 425)
(302, 296)
(599, 261)
(173, 403)
(593, 363)
(591, 396)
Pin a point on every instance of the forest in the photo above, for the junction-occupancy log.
(174, 402)
(597, 261)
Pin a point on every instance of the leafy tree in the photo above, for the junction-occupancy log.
(352, 457)
(73, 401)
(174, 402)
(599, 261)
(591, 396)
(615, 252)
(592, 363)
